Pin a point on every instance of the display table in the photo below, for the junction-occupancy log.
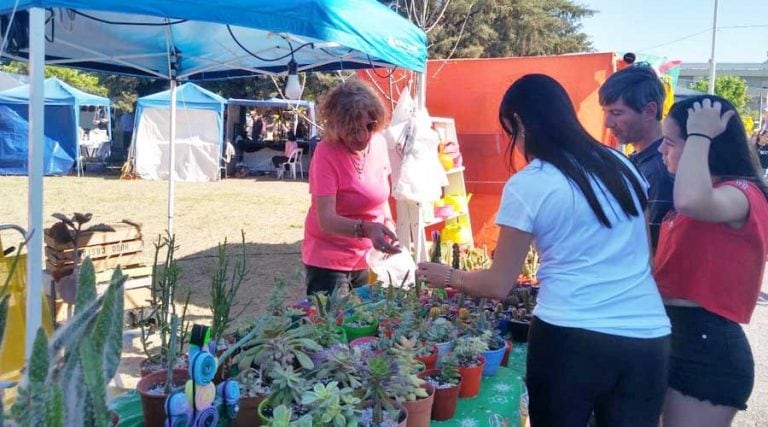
(497, 405)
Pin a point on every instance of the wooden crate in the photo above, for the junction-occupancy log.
(124, 231)
(98, 251)
(60, 268)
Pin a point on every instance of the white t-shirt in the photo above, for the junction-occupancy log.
(592, 277)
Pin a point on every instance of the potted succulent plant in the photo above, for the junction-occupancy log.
(447, 383)
(442, 333)
(360, 324)
(469, 354)
(380, 376)
(415, 394)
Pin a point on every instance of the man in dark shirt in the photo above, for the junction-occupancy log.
(632, 100)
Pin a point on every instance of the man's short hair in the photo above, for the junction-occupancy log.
(636, 86)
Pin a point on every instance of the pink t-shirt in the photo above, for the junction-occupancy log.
(289, 147)
(334, 172)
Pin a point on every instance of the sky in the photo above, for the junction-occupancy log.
(680, 29)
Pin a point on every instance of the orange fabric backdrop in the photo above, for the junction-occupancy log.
(470, 91)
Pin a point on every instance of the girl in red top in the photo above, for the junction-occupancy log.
(710, 260)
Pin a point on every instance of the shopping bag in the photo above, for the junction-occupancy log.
(12, 345)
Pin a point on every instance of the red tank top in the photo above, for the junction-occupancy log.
(712, 264)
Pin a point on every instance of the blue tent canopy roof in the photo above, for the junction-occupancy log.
(226, 38)
(56, 93)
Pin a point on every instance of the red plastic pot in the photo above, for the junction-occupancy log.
(153, 404)
(507, 350)
(445, 400)
(471, 376)
(420, 410)
(429, 361)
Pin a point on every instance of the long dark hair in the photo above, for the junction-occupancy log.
(730, 154)
(553, 134)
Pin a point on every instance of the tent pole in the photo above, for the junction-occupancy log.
(171, 158)
(35, 180)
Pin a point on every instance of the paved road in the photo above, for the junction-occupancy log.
(756, 414)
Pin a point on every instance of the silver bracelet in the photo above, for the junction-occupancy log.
(448, 277)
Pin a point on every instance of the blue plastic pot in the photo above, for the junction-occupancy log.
(493, 361)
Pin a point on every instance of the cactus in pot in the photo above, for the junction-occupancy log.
(66, 379)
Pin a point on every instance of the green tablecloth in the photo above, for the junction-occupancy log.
(498, 403)
(499, 399)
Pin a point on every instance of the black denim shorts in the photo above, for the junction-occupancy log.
(711, 358)
(326, 280)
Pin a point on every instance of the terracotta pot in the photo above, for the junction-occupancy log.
(445, 400)
(429, 361)
(507, 350)
(147, 367)
(249, 411)
(470, 379)
(153, 404)
(420, 411)
(366, 346)
(387, 327)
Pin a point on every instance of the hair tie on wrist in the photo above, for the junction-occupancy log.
(701, 135)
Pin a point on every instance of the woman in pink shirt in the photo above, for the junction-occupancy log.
(349, 183)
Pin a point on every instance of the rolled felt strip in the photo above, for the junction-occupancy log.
(178, 421)
(208, 417)
(193, 350)
(176, 404)
(204, 395)
(202, 367)
(229, 392)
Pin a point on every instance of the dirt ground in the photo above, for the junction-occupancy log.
(270, 212)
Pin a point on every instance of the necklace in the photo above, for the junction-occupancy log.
(358, 161)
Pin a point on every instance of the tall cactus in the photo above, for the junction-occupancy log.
(73, 369)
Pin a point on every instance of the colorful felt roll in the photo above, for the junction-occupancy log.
(193, 350)
(228, 392)
(202, 396)
(202, 367)
(177, 421)
(208, 417)
(176, 404)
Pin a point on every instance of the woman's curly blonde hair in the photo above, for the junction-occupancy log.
(349, 106)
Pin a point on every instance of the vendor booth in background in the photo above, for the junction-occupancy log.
(475, 109)
(62, 117)
(199, 135)
(278, 117)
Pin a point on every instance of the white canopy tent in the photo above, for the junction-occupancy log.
(199, 137)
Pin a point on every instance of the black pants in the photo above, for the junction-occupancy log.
(326, 280)
(572, 372)
(276, 160)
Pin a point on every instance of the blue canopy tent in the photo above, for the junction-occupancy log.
(14, 144)
(199, 141)
(198, 39)
(62, 115)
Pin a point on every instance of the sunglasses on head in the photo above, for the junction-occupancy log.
(370, 126)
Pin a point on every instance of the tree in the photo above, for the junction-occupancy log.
(732, 88)
(84, 81)
(498, 28)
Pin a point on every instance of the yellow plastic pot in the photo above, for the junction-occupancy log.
(456, 233)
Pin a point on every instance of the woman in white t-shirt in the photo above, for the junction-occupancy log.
(599, 339)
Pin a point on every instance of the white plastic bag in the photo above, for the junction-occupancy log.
(395, 267)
